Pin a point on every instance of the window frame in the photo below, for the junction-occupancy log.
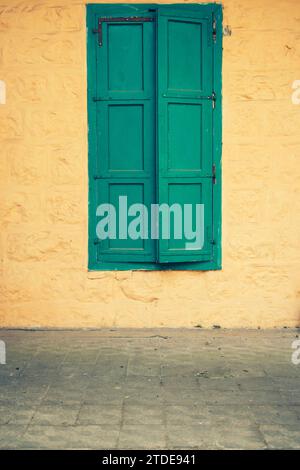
(92, 12)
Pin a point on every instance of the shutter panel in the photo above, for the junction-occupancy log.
(185, 138)
(125, 102)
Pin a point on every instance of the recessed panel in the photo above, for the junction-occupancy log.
(181, 194)
(134, 194)
(184, 136)
(184, 55)
(125, 57)
(126, 137)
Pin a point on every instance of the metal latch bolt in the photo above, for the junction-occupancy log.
(130, 19)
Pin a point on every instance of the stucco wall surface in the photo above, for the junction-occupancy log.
(43, 181)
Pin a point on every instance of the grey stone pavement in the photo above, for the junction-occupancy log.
(151, 389)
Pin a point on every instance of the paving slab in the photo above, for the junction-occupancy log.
(142, 389)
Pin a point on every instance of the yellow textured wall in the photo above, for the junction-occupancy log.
(43, 179)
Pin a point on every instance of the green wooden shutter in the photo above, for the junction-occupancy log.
(153, 133)
(185, 122)
(125, 127)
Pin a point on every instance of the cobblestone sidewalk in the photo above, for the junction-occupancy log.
(153, 389)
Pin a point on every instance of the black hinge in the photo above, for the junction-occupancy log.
(214, 29)
(130, 19)
(213, 99)
(214, 178)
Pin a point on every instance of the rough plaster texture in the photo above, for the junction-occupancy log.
(43, 181)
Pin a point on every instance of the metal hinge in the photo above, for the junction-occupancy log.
(213, 99)
(130, 19)
(214, 29)
(214, 178)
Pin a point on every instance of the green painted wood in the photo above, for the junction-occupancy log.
(185, 127)
(125, 130)
(191, 178)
